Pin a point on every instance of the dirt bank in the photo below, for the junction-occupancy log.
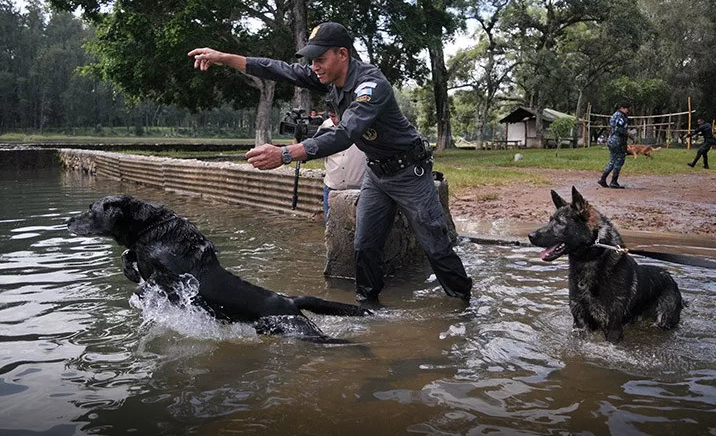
(674, 204)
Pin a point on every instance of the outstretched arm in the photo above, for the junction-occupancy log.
(206, 57)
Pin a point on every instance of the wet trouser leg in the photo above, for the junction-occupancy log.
(375, 213)
(413, 189)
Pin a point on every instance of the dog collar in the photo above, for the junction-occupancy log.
(616, 248)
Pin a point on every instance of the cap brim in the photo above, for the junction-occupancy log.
(311, 51)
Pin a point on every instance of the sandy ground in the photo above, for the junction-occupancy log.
(678, 205)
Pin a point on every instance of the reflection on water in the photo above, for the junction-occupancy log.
(78, 358)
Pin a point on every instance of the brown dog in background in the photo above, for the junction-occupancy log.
(646, 150)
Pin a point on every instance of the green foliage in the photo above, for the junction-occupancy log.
(562, 127)
(556, 54)
(644, 94)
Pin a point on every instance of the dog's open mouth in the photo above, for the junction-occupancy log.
(551, 253)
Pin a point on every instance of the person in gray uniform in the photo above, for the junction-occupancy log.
(400, 165)
(344, 170)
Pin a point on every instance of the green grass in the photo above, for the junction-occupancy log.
(470, 168)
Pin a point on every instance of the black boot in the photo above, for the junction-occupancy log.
(603, 180)
(614, 184)
(691, 164)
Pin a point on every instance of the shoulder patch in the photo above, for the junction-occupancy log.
(364, 91)
(365, 85)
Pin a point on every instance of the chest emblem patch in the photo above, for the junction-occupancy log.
(370, 135)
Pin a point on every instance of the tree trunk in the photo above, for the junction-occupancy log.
(301, 96)
(440, 88)
(578, 114)
(539, 123)
(263, 111)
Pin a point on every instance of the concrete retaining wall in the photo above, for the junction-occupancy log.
(242, 184)
(220, 181)
(26, 159)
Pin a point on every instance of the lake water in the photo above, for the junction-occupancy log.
(77, 358)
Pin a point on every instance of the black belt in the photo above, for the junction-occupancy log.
(395, 164)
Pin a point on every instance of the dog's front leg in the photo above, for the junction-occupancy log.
(129, 266)
(614, 332)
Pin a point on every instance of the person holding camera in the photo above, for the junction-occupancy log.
(400, 166)
(344, 170)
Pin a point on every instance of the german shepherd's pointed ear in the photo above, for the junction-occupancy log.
(557, 200)
(579, 203)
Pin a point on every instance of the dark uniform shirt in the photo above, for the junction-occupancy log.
(366, 105)
(705, 131)
(618, 129)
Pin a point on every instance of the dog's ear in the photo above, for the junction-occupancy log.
(557, 200)
(579, 203)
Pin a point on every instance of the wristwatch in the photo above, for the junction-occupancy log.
(285, 155)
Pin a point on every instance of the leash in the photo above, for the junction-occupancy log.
(683, 259)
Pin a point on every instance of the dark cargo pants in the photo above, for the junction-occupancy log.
(413, 191)
(617, 157)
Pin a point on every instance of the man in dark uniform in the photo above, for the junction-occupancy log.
(703, 129)
(617, 144)
(400, 166)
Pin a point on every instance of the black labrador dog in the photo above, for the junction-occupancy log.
(162, 247)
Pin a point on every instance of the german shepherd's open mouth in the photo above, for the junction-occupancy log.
(552, 253)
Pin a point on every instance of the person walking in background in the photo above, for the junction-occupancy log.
(703, 129)
(617, 144)
(400, 175)
(344, 170)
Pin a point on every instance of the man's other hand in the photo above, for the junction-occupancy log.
(265, 157)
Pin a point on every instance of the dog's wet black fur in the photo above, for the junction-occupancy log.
(162, 246)
(607, 288)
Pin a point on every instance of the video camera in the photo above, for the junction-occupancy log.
(299, 125)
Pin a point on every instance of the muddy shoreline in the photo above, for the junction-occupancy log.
(676, 211)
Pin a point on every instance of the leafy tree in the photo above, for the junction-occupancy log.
(382, 29)
(486, 67)
(141, 48)
(10, 42)
(561, 128)
(678, 49)
(538, 26)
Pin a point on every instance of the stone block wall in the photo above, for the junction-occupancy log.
(400, 248)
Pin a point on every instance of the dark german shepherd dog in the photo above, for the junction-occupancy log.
(162, 247)
(607, 289)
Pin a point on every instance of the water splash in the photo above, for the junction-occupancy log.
(183, 316)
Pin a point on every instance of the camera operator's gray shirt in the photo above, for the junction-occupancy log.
(366, 106)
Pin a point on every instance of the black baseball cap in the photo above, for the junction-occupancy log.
(324, 36)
